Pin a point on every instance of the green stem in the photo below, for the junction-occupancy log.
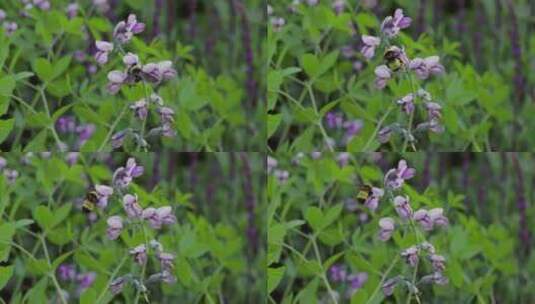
(383, 278)
(112, 277)
(112, 128)
(51, 127)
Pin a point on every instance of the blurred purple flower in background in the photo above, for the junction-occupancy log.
(393, 24)
(124, 175)
(338, 273)
(125, 30)
(387, 228)
(370, 43)
(66, 272)
(115, 226)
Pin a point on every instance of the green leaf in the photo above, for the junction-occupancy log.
(5, 128)
(23, 223)
(275, 275)
(44, 217)
(7, 85)
(43, 68)
(314, 217)
(89, 296)
(37, 293)
(60, 214)
(60, 66)
(5, 275)
(310, 64)
(23, 75)
(38, 266)
(273, 123)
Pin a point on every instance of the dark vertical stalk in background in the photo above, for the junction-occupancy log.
(250, 204)
(250, 82)
(214, 24)
(461, 26)
(194, 157)
(478, 36)
(521, 205)
(192, 18)
(437, 12)
(171, 14)
(155, 178)
(110, 14)
(518, 78)
(465, 178)
(426, 174)
(158, 7)
(420, 20)
(483, 186)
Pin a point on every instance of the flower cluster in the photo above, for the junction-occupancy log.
(9, 174)
(9, 26)
(83, 280)
(281, 175)
(156, 218)
(83, 132)
(397, 61)
(41, 4)
(355, 281)
(351, 128)
(426, 219)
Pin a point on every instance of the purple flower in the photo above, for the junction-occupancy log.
(131, 206)
(124, 31)
(383, 136)
(103, 193)
(407, 103)
(72, 10)
(85, 132)
(167, 277)
(338, 6)
(422, 217)
(343, 158)
(432, 125)
(277, 23)
(389, 285)
(352, 128)
(3, 162)
(157, 72)
(168, 130)
(370, 43)
(334, 120)
(356, 281)
(11, 175)
(433, 110)
(124, 175)
(103, 49)
(373, 200)
(159, 217)
(10, 28)
(116, 286)
(271, 164)
(438, 262)
(411, 255)
(66, 272)
(393, 24)
(2, 15)
(130, 59)
(141, 109)
(155, 98)
(438, 218)
(118, 138)
(436, 277)
(403, 208)
(387, 228)
(115, 225)
(282, 176)
(116, 80)
(85, 280)
(338, 273)
(166, 114)
(72, 158)
(66, 124)
(428, 247)
(395, 178)
(383, 74)
(166, 260)
(426, 67)
(42, 4)
(140, 254)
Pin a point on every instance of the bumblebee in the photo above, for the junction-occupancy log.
(365, 191)
(90, 201)
(392, 58)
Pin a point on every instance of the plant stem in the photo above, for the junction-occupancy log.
(383, 278)
(112, 128)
